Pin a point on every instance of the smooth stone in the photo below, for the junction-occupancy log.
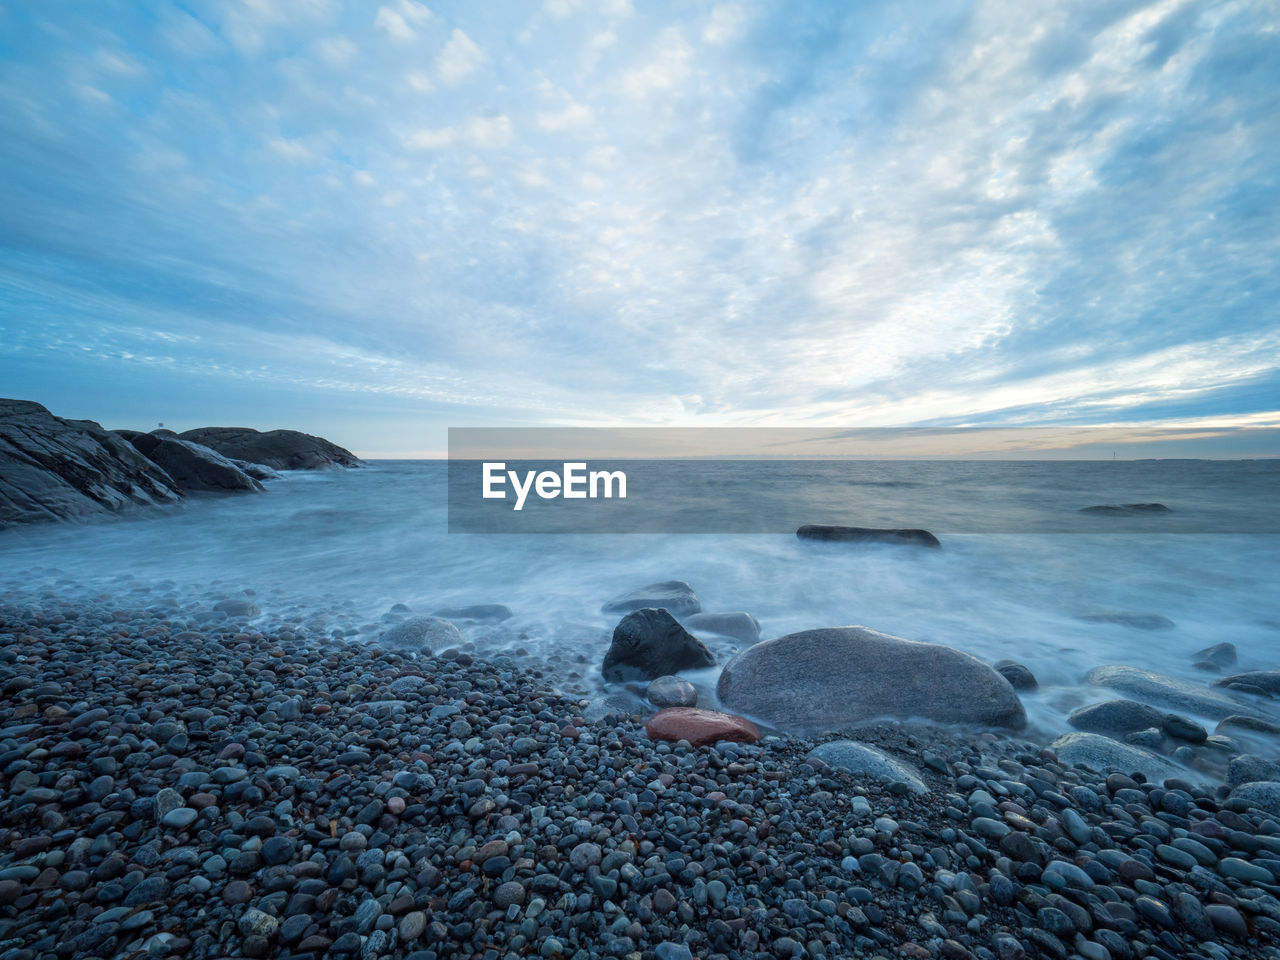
(831, 678)
(423, 634)
(1268, 680)
(869, 761)
(1115, 717)
(671, 691)
(1101, 753)
(700, 727)
(1248, 768)
(180, 818)
(1220, 654)
(1018, 675)
(1263, 794)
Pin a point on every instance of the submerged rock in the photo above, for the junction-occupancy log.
(1115, 717)
(738, 624)
(56, 469)
(700, 727)
(491, 612)
(1165, 691)
(650, 643)
(422, 633)
(1265, 680)
(1139, 621)
(1101, 753)
(1220, 654)
(671, 691)
(1019, 677)
(868, 761)
(675, 596)
(830, 678)
(278, 449)
(912, 537)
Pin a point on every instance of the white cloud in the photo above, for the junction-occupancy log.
(725, 24)
(595, 48)
(460, 58)
(487, 132)
(393, 24)
(666, 70)
(295, 151)
(432, 138)
(337, 52)
(573, 116)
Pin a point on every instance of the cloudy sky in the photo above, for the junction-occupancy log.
(374, 221)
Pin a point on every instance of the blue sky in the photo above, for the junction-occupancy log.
(374, 221)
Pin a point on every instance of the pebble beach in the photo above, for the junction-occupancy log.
(240, 788)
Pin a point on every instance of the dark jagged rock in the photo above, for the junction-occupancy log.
(650, 643)
(56, 469)
(830, 678)
(278, 449)
(194, 467)
(673, 595)
(911, 537)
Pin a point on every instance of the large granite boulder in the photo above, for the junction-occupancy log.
(909, 537)
(650, 643)
(1164, 691)
(194, 467)
(278, 449)
(832, 678)
(1103, 754)
(56, 469)
(673, 595)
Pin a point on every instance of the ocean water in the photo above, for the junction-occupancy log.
(335, 550)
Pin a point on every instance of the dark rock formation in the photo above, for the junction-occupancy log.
(910, 537)
(192, 466)
(278, 449)
(650, 643)
(54, 469)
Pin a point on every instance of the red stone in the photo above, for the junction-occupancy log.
(700, 727)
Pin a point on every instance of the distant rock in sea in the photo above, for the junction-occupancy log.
(1123, 508)
(910, 537)
(57, 469)
(278, 449)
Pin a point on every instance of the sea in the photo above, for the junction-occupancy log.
(1022, 573)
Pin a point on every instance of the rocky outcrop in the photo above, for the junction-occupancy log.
(57, 469)
(278, 449)
(673, 595)
(192, 466)
(700, 727)
(909, 537)
(650, 643)
(829, 679)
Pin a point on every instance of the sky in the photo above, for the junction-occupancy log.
(376, 221)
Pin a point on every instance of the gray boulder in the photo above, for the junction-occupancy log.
(909, 537)
(1248, 768)
(277, 449)
(673, 595)
(1115, 718)
(194, 467)
(739, 625)
(56, 469)
(671, 692)
(1019, 676)
(831, 678)
(422, 633)
(1165, 691)
(1101, 753)
(1262, 794)
(868, 761)
(650, 643)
